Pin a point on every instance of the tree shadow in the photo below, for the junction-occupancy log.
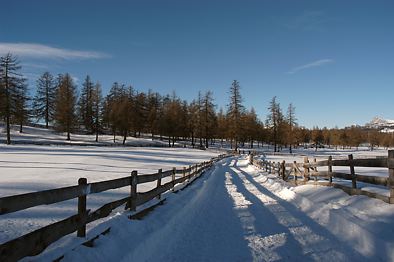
(307, 239)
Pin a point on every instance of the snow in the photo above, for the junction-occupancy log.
(235, 212)
(378, 122)
(339, 154)
(43, 136)
(29, 168)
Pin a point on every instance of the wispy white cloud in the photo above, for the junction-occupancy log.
(34, 66)
(316, 63)
(44, 51)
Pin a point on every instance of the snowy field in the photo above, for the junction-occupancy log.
(29, 168)
(42, 136)
(236, 212)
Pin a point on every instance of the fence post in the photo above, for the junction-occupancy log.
(184, 172)
(283, 169)
(306, 169)
(330, 169)
(295, 172)
(82, 207)
(173, 178)
(133, 191)
(250, 158)
(270, 165)
(315, 169)
(352, 172)
(159, 182)
(390, 164)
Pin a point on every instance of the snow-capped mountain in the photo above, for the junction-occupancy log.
(380, 123)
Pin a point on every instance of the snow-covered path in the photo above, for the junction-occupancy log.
(227, 215)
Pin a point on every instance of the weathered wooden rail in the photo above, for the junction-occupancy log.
(35, 242)
(302, 173)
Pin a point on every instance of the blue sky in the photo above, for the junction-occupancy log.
(334, 60)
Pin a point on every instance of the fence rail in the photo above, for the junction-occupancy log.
(302, 173)
(35, 242)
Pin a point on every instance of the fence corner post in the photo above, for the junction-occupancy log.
(390, 164)
(133, 191)
(82, 182)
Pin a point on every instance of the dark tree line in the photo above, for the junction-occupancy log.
(125, 112)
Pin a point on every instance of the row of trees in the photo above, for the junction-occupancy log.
(125, 111)
(13, 93)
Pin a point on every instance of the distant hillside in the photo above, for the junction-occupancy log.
(384, 125)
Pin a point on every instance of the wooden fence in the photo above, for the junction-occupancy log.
(302, 173)
(35, 242)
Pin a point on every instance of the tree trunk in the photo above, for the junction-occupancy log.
(8, 130)
(8, 110)
(46, 109)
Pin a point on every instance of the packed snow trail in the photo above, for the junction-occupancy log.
(226, 215)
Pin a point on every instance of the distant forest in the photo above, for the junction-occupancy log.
(125, 111)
